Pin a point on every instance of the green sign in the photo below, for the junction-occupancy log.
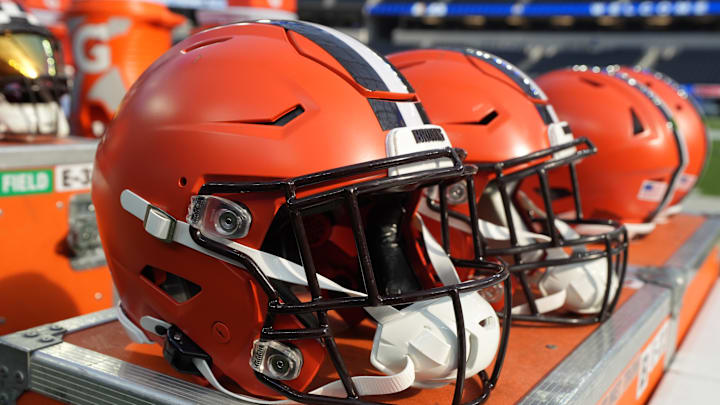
(26, 182)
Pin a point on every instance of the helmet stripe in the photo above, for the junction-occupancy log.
(679, 139)
(369, 69)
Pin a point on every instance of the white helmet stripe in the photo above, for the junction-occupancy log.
(374, 74)
(387, 74)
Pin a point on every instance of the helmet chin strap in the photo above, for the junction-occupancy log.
(425, 357)
(548, 303)
(668, 212)
(366, 385)
(577, 287)
(584, 283)
(633, 229)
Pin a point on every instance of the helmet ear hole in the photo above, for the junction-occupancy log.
(174, 286)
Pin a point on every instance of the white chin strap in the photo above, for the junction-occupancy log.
(584, 283)
(415, 346)
(33, 118)
(639, 229)
(581, 284)
(366, 385)
(577, 287)
(633, 229)
(668, 212)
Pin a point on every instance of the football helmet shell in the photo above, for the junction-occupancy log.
(641, 154)
(688, 118)
(503, 120)
(288, 179)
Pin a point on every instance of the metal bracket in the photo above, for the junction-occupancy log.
(17, 348)
(180, 350)
(15, 351)
(83, 237)
(673, 278)
(681, 268)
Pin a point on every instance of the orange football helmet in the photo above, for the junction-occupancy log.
(240, 201)
(503, 120)
(688, 118)
(641, 154)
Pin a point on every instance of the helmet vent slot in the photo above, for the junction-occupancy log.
(557, 193)
(281, 120)
(591, 82)
(176, 287)
(636, 124)
(204, 44)
(486, 120)
(288, 116)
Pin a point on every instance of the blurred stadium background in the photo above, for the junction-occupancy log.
(678, 38)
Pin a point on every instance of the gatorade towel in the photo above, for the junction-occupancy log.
(113, 42)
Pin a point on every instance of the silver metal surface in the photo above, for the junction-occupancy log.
(694, 251)
(686, 262)
(13, 364)
(26, 156)
(17, 348)
(15, 351)
(81, 322)
(589, 371)
(673, 278)
(33, 339)
(76, 375)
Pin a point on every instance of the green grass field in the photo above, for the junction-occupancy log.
(709, 183)
(713, 122)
